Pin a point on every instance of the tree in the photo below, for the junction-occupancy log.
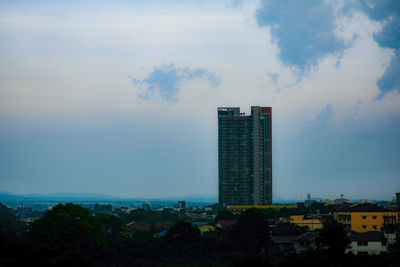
(68, 227)
(225, 215)
(183, 232)
(251, 232)
(333, 237)
(112, 223)
(394, 251)
(8, 221)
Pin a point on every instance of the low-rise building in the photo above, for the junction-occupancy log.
(206, 228)
(283, 244)
(372, 242)
(305, 242)
(236, 209)
(299, 244)
(365, 218)
(313, 222)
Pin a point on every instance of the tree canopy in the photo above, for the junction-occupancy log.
(251, 231)
(333, 237)
(8, 221)
(225, 215)
(183, 232)
(68, 227)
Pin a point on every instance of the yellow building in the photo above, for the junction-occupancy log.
(364, 218)
(206, 228)
(343, 217)
(239, 208)
(312, 222)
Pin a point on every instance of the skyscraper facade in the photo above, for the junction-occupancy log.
(245, 156)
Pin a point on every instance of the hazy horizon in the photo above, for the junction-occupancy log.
(120, 98)
(172, 197)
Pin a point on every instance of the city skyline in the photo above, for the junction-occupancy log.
(120, 98)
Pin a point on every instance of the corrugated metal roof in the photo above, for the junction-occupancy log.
(283, 239)
(373, 236)
(308, 236)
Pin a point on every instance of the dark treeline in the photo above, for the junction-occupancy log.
(70, 235)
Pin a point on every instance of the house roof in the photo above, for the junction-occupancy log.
(341, 207)
(358, 208)
(366, 208)
(373, 236)
(226, 223)
(164, 225)
(161, 234)
(207, 227)
(283, 239)
(198, 224)
(138, 226)
(308, 236)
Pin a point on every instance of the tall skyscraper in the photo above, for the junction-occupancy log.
(245, 156)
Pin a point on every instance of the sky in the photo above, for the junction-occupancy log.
(120, 97)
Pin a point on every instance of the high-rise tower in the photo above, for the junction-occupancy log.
(245, 156)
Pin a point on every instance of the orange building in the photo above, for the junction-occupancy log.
(364, 218)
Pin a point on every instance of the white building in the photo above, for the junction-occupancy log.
(373, 242)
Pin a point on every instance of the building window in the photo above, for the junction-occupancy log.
(362, 243)
(374, 217)
(364, 227)
(374, 227)
(364, 217)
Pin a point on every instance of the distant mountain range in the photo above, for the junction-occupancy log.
(91, 197)
(76, 196)
(62, 196)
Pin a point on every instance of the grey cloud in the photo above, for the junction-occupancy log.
(388, 13)
(304, 30)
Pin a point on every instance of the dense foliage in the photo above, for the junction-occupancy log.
(150, 216)
(8, 221)
(225, 215)
(251, 232)
(68, 227)
(70, 235)
(333, 237)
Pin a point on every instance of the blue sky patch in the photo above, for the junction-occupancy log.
(391, 78)
(273, 76)
(167, 79)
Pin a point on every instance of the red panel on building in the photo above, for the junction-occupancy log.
(265, 110)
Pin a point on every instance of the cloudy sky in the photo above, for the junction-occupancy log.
(120, 97)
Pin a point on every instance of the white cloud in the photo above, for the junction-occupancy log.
(80, 64)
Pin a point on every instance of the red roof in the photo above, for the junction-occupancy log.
(137, 226)
(226, 223)
(164, 225)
